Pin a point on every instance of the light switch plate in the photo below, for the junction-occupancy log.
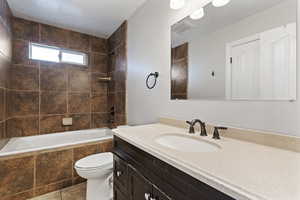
(67, 121)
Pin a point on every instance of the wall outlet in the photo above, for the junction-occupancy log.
(67, 121)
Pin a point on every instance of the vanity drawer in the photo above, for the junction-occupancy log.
(120, 174)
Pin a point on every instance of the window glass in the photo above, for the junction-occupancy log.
(55, 54)
(73, 57)
(45, 53)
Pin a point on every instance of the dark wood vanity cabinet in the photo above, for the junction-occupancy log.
(141, 176)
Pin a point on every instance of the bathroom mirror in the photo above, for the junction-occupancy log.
(244, 50)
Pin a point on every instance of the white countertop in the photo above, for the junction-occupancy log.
(245, 171)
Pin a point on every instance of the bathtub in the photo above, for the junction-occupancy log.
(29, 144)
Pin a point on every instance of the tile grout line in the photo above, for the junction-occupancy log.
(91, 84)
(67, 91)
(34, 175)
(40, 100)
(40, 94)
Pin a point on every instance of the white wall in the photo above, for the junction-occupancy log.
(149, 50)
(207, 51)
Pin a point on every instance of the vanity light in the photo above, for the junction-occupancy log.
(177, 4)
(220, 3)
(198, 14)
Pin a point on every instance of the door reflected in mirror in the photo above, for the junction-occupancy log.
(245, 50)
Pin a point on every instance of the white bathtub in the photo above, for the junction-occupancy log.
(49, 141)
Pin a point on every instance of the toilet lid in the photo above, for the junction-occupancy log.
(95, 161)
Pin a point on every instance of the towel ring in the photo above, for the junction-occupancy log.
(155, 75)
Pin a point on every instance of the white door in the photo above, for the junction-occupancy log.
(278, 63)
(245, 70)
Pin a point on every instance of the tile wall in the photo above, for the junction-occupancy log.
(40, 94)
(5, 60)
(118, 71)
(30, 175)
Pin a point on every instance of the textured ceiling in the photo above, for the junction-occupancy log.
(95, 17)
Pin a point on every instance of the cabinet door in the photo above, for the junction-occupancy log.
(159, 195)
(139, 187)
(118, 195)
(120, 174)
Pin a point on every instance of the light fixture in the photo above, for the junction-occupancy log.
(220, 3)
(177, 4)
(198, 14)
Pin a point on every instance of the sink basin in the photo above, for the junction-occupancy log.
(186, 144)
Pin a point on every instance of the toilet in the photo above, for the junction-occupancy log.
(98, 170)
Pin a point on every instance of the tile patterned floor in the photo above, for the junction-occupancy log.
(77, 192)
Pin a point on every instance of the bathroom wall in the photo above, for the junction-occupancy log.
(33, 174)
(149, 50)
(118, 71)
(41, 94)
(5, 59)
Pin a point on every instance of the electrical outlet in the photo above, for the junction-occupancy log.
(67, 121)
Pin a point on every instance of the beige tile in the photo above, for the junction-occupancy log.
(77, 192)
(50, 196)
(52, 187)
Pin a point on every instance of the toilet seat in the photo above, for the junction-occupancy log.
(96, 161)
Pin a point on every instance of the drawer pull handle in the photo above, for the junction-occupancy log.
(119, 173)
(147, 196)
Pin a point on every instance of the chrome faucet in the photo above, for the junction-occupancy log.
(216, 135)
(193, 123)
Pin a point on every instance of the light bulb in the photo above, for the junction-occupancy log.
(220, 3)
(177, 4)
(198, 14)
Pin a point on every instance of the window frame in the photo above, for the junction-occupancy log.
(61, 51)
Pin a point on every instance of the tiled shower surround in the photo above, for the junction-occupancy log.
(117, 70)
(40, 94)
(5, 59)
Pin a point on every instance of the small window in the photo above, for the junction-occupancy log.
(73, 57)
(39, 52)
(55, 54)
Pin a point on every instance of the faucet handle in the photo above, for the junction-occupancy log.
(203, 129)
(188, 122)
(191, 129)
(216, 134)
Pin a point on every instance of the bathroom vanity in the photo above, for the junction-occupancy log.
(139, 175)
(151, 163)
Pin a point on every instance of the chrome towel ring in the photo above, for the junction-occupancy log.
(155, 75)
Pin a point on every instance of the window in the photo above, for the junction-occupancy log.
(73, 57)
(39, 52)
(55, 54)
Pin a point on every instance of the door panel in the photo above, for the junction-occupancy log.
(120, 174)
(118, 195)
(138, 185)
(245, 70)
(278, 63)
(159, 195)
